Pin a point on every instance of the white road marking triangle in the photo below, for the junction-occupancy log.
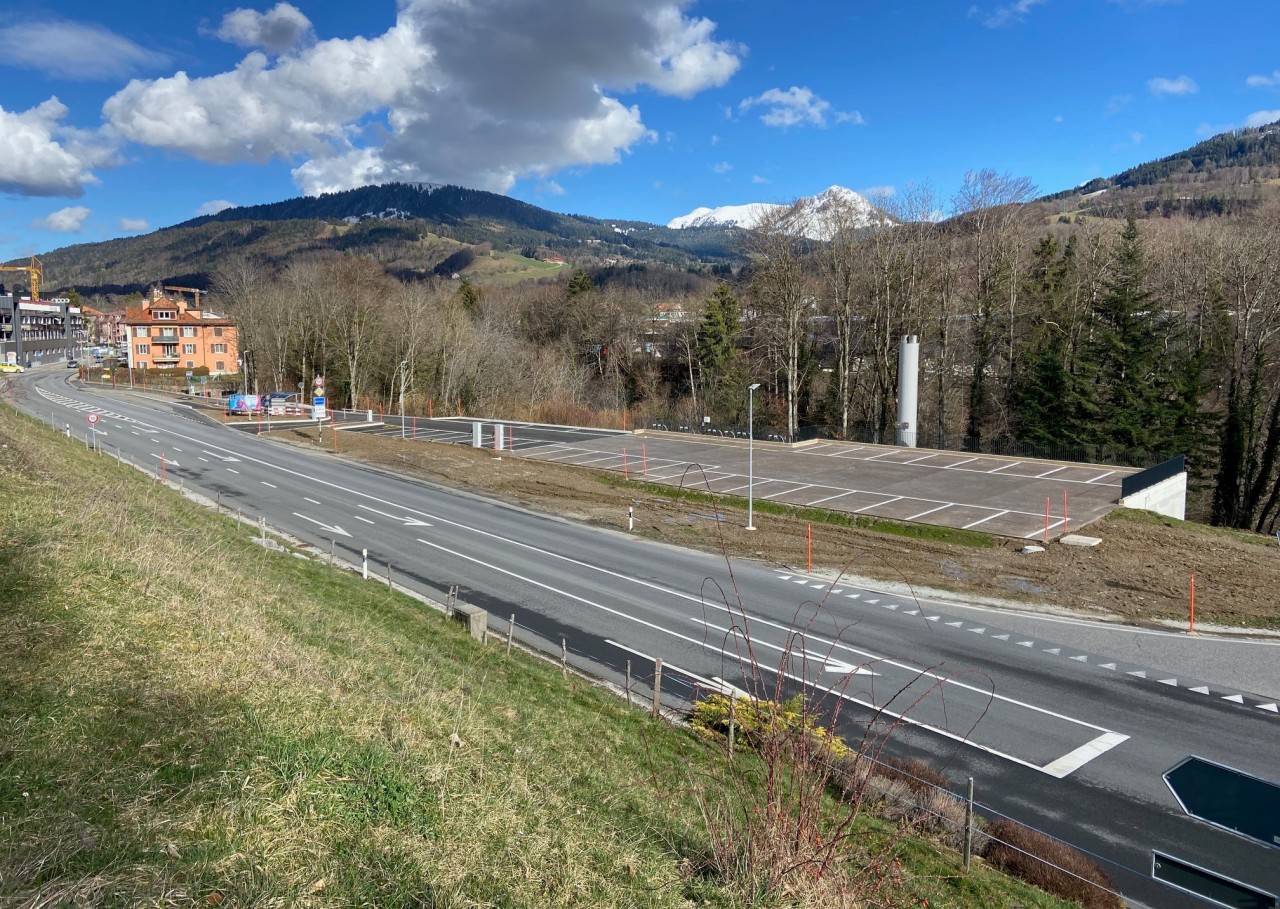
(838, 591)
(873, 602)
(817, 586)
(933, 618)
(1026, 643)
(800, 580)
(912, 612)
(1000, 637)
(1140, 673)
(955, 624)
(1056, 651)
(1234, 698)
(1173, 682)
(1271, 707)
(977, 630)
(1107, 666)
(889, 605)
(784, 577)
(853, 596)
(1201, 689)
(1081, 659)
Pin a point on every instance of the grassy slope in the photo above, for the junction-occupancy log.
(188, 718)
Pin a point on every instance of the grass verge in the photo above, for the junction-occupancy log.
(187, 718)
(923, 532)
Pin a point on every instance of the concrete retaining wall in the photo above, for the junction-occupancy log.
(1168, 497)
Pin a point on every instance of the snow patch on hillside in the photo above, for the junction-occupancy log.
(816, 217)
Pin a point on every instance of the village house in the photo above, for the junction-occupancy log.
(166, 333)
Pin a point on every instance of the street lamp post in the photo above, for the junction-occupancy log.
(751, 446)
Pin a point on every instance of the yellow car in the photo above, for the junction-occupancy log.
(10, 367)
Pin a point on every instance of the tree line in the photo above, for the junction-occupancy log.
(1100, 339)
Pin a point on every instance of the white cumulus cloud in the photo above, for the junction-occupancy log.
(796, 106)
(67, 220)
(74, 50)
(41, 157)
(1262, 117)
(1183, 85)
(480, 93)
(134, 225)
(213, 206)
(279, 29)
(1264, 81)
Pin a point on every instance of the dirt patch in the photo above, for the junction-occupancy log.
(1140, 573)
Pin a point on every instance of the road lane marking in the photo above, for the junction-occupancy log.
(311, 500)
(332, 528)
(265, 483)
(1074, 760)
(358, 518)
(232, 470)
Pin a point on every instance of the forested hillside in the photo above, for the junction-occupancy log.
(1223, 175)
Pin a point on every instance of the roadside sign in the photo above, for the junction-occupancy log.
(93, 418)
(188, 373)
(317, 411)
(1227, 798)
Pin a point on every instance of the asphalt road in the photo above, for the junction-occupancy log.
(1070, 741)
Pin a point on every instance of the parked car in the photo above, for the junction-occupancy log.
(72, 364)
(10, 367)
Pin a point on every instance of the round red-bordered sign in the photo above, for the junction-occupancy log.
(93, 418)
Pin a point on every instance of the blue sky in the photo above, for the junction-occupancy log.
(120, 118)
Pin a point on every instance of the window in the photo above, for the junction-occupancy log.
(219, 348)
(144, 349)
(162, 313)
(191, 365)
(141, 331)
(142, 365)
(222, 366)
(188, 331)
(188, 349)
(217, 332)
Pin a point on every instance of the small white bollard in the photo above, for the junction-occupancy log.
(364, 563)
(476, 441)
(631, 517)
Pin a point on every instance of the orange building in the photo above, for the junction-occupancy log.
(165, 333)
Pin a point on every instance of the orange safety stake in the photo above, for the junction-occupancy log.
(1193, 604)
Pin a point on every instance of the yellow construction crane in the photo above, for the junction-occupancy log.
(191, 290)
(34, 270)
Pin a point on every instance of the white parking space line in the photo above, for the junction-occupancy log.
(838, 495)
(1004, 467)
(878, 504)
(922, 458)
(787, 491)
(1101, 477)
(916, 517)
(1048, 473)
(990, 517)
(1053, 525)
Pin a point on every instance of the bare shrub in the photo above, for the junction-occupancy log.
(1049, 864)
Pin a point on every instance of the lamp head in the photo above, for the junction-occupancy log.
(753, 387)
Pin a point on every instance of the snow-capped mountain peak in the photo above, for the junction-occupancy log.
(817, 217)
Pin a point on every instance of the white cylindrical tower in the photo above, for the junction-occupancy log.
(908, 389)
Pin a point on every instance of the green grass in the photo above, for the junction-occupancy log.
(924, 532)
(187, 718)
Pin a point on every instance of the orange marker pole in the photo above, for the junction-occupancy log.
(1193, 604)
(809, 547)
(625, 473)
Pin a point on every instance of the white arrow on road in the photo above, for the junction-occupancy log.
(843, 668)
(408, 521)
(332, 528)
(169, 462)
(226, 459)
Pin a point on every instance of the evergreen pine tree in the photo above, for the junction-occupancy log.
(719, 373)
